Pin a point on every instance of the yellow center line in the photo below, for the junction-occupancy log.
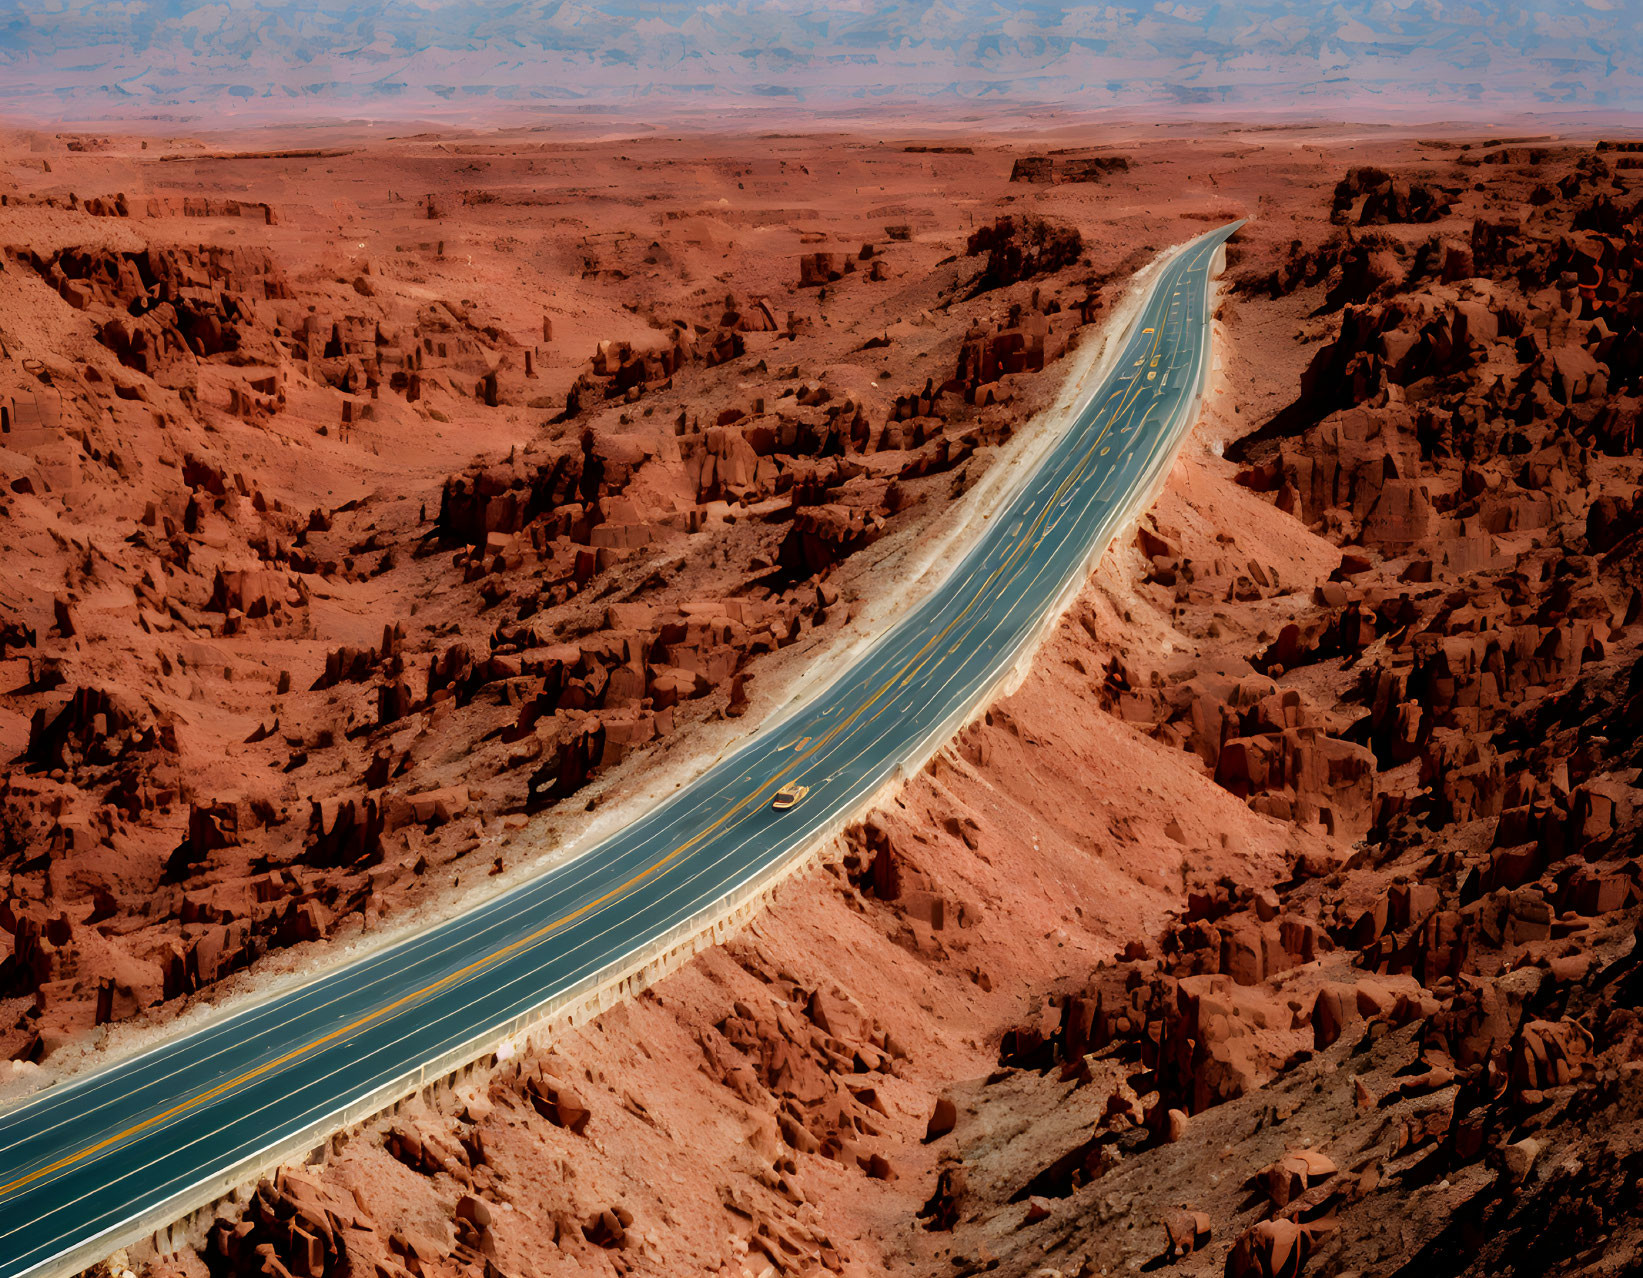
(1070, 479)
(913, 665)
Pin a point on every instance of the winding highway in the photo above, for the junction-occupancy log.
(90, 1165)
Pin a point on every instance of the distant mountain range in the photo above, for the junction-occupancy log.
(68, 59)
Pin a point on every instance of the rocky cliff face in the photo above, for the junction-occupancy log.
(334, 574)
(1410, 1052)
(1283, 920)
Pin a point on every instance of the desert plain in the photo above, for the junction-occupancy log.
(388, 511)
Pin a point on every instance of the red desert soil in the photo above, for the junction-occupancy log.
(383, 512)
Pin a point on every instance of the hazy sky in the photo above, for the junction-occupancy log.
(1474, 57)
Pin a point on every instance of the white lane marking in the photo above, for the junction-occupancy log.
(752, 744)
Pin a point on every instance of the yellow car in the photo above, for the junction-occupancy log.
(789, 796)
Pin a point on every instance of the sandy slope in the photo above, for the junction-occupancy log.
(1092, 844)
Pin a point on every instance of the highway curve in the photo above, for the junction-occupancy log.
(88, 1166)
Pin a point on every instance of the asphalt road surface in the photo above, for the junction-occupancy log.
(90, 1165)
